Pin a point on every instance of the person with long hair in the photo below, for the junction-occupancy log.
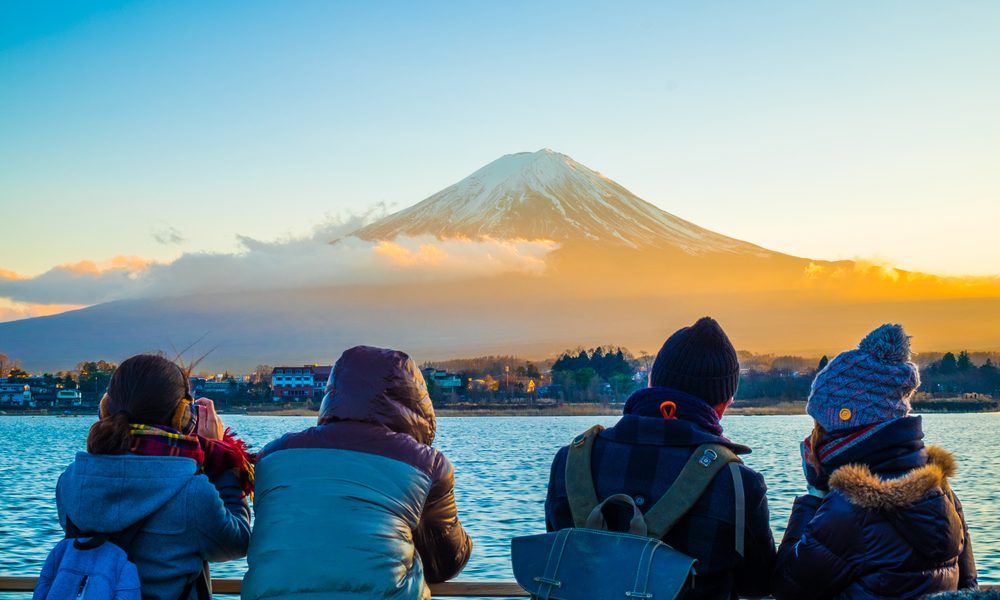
(880, 519)
(163, 467)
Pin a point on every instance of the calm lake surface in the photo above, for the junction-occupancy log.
(502, 466)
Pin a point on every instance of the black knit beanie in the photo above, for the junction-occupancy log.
(699, 360)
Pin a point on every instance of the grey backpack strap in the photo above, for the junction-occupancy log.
(741, 513)
(694, 479)
(579, 478)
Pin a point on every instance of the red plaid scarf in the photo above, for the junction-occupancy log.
(213, 457)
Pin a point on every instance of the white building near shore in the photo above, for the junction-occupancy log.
(15, 393)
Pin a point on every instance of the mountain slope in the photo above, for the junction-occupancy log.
(547, 195)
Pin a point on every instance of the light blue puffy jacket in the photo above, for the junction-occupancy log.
(366, 551)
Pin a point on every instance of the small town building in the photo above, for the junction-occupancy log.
(224, 387)
(442, 379)
(321, 374)
(197, 385)
(43, 390)
(69, 397)
(17, 394)
(298, 384)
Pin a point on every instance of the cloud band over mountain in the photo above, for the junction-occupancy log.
(309, 261)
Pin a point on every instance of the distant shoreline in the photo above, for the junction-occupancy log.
(941, 406)
(566, 410)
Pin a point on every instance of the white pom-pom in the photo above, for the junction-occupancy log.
(889, 343)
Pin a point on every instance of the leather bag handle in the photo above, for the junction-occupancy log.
(636, 525)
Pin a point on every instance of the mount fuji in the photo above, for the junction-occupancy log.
(616, 269)
(546, 195)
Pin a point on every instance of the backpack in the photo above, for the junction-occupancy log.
(589, 562)
(96, 566)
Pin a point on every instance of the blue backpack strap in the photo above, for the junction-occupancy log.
(550, 577)
(639, 589)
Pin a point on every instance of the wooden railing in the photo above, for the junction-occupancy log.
(451, 589)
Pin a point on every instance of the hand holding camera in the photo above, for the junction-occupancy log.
(210, 426)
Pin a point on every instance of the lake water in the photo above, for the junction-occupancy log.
(501, 465)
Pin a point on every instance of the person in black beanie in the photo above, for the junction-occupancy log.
(699, 360)
(691, 384)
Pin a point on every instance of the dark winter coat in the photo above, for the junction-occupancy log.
(360, 506)
(874, 537)
(642, 456)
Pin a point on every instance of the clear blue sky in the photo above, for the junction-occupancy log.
(829, 130)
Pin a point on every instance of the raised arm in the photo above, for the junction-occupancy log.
(222, 517)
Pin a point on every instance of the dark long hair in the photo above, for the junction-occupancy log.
(145, 388)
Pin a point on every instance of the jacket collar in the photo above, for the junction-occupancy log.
(656, 431)
(867, 490)
(647, 403)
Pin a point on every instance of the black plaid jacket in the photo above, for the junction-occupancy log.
(641, 457)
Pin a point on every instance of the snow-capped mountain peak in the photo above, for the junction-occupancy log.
(548, 195)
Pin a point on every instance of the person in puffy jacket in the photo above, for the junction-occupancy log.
(163, 463)
(880, 519)
(360, 506)
(696, 372)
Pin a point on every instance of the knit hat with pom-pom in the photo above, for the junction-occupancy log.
(869, 385)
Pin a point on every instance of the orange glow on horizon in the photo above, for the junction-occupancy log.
(12, 311)
(115, 263)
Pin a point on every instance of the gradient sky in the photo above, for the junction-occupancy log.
(826, 130)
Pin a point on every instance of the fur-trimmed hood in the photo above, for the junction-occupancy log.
(865, 489)
(919, 506)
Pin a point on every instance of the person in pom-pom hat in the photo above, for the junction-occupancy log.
(880, 519)
(691, 384)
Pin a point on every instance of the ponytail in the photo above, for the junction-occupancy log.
(110, 435)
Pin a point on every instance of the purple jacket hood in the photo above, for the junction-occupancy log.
(381, 386)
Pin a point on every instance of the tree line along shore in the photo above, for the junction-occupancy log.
(593, 381)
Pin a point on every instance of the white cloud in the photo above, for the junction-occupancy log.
(85, 282)
(325, 257)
